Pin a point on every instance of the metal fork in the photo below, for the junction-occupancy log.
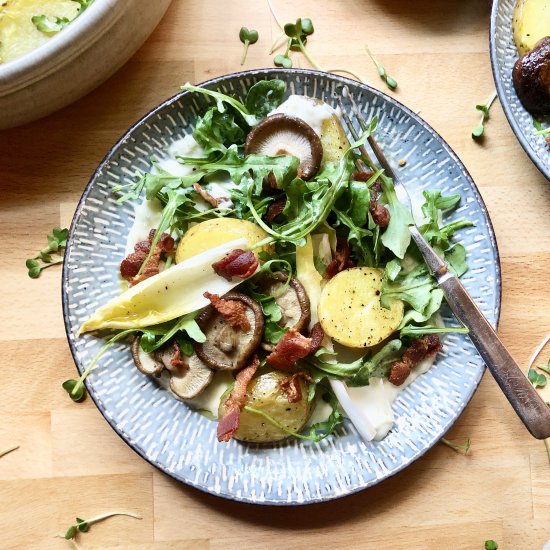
(521, 394)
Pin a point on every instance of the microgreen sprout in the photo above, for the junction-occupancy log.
(247, 37)
(56, 241)
(390, 82)
(491, 545)
(537, 379)
(297, 33)
(477, 132)
(7, 451)
(540, 131)
(83, 525)
(75, 388)
(463, 449)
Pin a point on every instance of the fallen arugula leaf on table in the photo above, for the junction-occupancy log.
(83, 525)
(477, 132)
(463, 448)
(56, 241)
(7, 451)
(247, 37)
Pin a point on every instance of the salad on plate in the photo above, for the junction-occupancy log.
(270, 281)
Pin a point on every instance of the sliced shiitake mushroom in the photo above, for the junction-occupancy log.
(293, 301)
(147, 363)
(282, 134)
(190, 382)
(226, 347)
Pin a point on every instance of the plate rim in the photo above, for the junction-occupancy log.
(512, 121)
(273, 72)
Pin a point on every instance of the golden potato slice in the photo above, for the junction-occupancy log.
(265, 394)
(334, 140)
(212, 233)
(350, 310)
(531, 22)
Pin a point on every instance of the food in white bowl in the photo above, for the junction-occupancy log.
(72, 62)
(296, 297)
(28, 24)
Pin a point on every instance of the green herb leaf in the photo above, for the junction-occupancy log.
(247, 37)
(71, 532)
(281, 60)
(390, 82)
(378, 365)
(545, 368)
(538, 380)
(77, 395)
(411, 330)
(491, 545)
(49, 25)
(456, 259)
(413, 287)
(265, 96)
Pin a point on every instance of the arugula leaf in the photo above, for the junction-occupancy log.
(435, 202)
(456, 258)
(377, 366)
(265, 96)
(215, 131)
(273, 332)
(340, 370)
(433, 306)
(150, 340)
(538, 380)
(397, 236)
(413, 287)
(49, 25)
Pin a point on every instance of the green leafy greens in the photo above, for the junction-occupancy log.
(56, 242)
(247, 37)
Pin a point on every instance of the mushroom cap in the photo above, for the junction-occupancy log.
(228, 348)
(193, 381)
(147, 363)
(294, 301)
(531, 76)
(283, 134)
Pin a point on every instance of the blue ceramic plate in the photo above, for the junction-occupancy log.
(183, 443)
(503, 57)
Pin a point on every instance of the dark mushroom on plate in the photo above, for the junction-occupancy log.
(282, 134)
(229, 347)
(531, 76)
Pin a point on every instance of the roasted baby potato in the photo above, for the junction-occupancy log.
(211, 233)
(531, 23)
(334, 139)
(350, 311)
(265, 394)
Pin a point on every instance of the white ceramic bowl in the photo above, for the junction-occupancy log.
(76, 60)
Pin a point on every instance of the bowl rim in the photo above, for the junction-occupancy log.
(537, 161)
(86, 29)
(266, 73)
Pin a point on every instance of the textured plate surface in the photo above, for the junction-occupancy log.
(181, 442)
(503, 57)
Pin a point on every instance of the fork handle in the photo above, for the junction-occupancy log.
(521, 394)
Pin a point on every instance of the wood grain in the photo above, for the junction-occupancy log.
(70, 461)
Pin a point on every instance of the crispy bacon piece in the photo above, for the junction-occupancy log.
(177, 361)
(379, 213)
(238, 263)
(341, 260)
(229, 421)
(206, 195)
(130, 266)
(362, 175)
(292, 387)
(233, 311)
(294, 346)
(428, 345)
(275, 209)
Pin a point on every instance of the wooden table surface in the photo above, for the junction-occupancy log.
(70, 462)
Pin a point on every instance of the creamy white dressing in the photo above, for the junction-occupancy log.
(209, 399)
(308, 110)
(147, 215)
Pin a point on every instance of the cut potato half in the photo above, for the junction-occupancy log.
(334, 140)
(531, 23)
(350, 311)
(212, 233)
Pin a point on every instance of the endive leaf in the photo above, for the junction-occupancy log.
(168, 295)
